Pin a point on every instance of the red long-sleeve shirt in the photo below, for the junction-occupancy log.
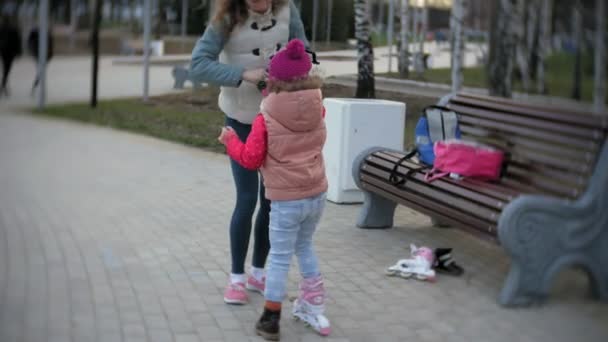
(252, 153)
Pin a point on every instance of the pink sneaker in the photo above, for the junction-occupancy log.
(256, 285)
(236, 294)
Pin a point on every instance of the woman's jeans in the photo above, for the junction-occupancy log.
(292, 225)
(247, 185)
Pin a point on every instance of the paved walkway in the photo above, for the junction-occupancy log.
(69, 80)
(109, 236)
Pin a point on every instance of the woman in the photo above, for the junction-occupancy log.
(32, 42)
(233, 53)
(10, 48)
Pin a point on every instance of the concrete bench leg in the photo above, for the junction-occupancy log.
(377, 212)
(543, 235)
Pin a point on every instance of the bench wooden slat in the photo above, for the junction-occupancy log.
(562, 163)
(426, 206)
(437, 195)
(440, 184)
(523, 187)
(580, 180)
(487, 232)
(513, 143)
(518, 177)
(564, 187)
(541, 184)
(551, 114)
(523, 121)
(526, 132)
(567, 167)
(528, 181)
(510, 139)
(488, 189)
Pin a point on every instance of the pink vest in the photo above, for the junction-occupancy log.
(294, 167)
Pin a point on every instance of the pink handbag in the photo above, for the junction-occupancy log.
(467, 159)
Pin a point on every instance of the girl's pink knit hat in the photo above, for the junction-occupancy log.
(291, 63)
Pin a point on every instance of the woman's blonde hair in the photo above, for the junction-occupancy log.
(231, 13)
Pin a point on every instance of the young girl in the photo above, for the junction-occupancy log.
(286, 142)
(233, 53)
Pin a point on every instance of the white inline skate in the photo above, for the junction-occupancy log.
(419, 266)
(309, 306)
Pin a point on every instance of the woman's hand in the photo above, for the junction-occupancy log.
(227, 133)
(254, 75)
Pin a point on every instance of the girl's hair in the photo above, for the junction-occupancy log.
(310, 82)
(231, 13)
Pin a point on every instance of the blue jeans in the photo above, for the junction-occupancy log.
(292, 224)
(248, 188)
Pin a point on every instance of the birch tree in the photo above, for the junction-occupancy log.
(365, 51)
(502, 46)
(404, 51)
(577, 30)
(521, 52)
(544, 44)
(599, 89)
(457, 33)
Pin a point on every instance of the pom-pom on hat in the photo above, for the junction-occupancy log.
(291, 63)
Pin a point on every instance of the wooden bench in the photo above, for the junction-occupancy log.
(549, 210)
(181, 75)
(132, 47)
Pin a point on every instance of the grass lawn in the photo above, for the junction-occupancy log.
(559, 78)
(194, 118)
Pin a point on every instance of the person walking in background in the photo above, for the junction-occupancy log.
(10, 49)
(32, 43)
(286, 144)
(233, 53)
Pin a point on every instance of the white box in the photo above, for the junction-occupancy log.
(354, 125)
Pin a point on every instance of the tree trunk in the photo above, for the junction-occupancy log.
(380, 23)
(95, 42)
(578, 38)
(315, 14)
(502, 41)
(112, 9)
(404, 51)
(533, 35)
(132, 20)
(424, 18)
(158, 18)
(423, 28)
(389, 33)
(544, 44)
(73, 23)
(478, 15)
(330, 8)
(521, 53)
(365, 52)
(599, 89)
(456, 30)
(184, 23)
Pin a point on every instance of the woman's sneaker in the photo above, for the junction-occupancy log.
(256, 285)
(235, 294)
